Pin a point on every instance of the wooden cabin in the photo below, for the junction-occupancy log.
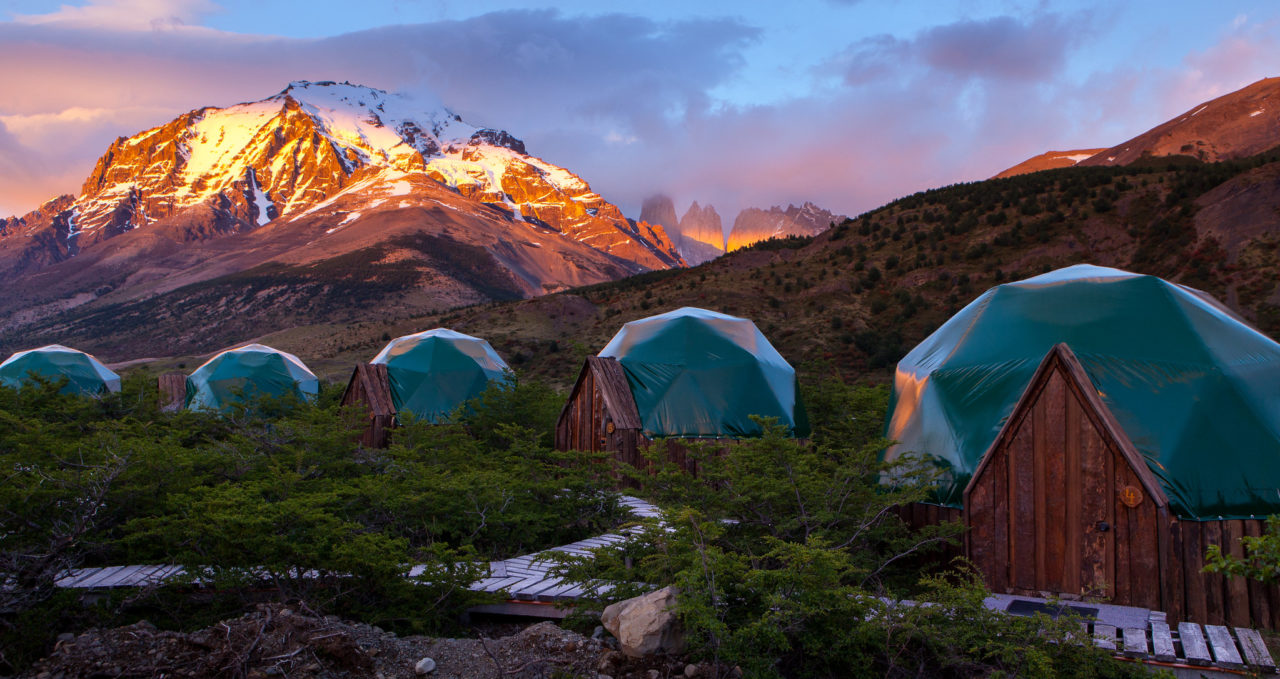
(601, 415)
(370, 390)
(1063, 504)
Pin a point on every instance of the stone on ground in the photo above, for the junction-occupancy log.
(646, 625)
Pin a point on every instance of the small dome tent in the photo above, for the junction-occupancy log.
(247, 372)
(1191, 384)
(433, 372)
(696, 373)
(84, 373)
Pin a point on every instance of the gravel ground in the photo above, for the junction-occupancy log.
(276, 641)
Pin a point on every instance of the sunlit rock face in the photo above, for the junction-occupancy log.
(703, 224)
(753, 224)
(221, 171)
(699, 235)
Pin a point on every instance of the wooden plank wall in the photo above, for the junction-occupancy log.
(920, 514)
(581, 423)
(173, 391)
(1215, 599)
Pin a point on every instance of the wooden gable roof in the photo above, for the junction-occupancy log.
(611, 380)
(370, 385)
(1062, 361)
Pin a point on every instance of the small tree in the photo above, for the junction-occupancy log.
(1261, 559)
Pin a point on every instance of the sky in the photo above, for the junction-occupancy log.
(845, 103)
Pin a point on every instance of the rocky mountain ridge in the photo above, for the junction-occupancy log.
(1237, 125)
(1050, 160)
(753, 225)
(700, 235)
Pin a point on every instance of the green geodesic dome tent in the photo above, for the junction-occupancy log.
(697, 373)
(85, 374)
(248, 372)
(434, 372)
(1194, 387)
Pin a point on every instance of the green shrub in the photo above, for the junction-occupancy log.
(780, 549)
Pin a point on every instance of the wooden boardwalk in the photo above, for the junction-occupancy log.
(525, 579)
(1206, 646)
(531, 590)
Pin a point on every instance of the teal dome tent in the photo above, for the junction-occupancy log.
(698, 373)
(1195, 388)
(248, 372)
(434, 372)
(84, 373)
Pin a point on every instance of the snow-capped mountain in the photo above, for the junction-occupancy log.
(295, 153)
(315, 171)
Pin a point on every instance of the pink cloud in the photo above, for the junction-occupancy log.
(125, 14)
(624, 102)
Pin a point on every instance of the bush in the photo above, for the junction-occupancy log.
(275, 499)
(780, 547)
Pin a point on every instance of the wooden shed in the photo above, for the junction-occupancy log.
(688, 374)
(601, 415)
(1063, 504)
(370, 390)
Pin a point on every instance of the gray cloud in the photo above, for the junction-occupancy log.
(1001, 47)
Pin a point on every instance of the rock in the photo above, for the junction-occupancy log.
(653, 674)
(425, 666)
(66, 637)
(691, 671)
(597, 633)
(646, 624)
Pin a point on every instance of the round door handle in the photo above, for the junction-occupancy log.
(1102, 526)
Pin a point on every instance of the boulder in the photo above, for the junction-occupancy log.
(646, 625)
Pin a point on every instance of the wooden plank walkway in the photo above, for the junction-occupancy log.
(1207, 646)
(527, 573)
(527, 579)
(531, 590)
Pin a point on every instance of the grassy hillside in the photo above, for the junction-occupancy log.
(856, 298)
(852, 300)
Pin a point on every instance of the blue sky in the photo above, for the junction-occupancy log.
(848, 103)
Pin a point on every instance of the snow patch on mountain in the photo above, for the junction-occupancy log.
(260, 201)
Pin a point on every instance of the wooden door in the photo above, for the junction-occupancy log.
(1056, 507)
